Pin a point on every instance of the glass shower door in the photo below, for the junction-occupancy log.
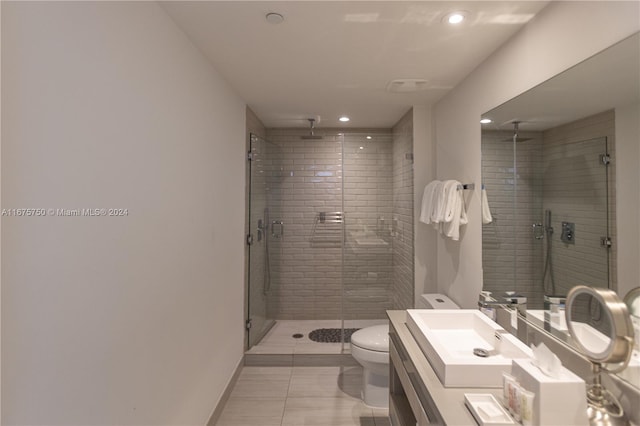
(576, 205)
(368, 269)
(266, 231)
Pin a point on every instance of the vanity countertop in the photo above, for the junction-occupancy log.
(449, 401)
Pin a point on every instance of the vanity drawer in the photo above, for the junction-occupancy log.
(413, 388)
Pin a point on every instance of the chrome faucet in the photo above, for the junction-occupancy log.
(509, 299)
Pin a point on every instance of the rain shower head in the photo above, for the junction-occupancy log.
(516, 137)
(311, 136)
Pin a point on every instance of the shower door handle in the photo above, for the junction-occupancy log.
(280, 232)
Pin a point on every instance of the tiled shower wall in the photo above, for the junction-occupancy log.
(368, 203)
(511, 257)
(402, 220)
(311, 273)
(310, 276)
(572, 153)
(559, 153)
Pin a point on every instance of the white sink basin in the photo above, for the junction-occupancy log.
(448, 339)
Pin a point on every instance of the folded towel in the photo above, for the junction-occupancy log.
(451, 199)
(457, 213)
(486, 211)
(429, 201)
(443, 207)
(440, 204)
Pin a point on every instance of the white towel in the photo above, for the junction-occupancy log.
(457, 214)
(428, 201)
(486, 211)
(450, 200)
(443, 207)
(439, 203)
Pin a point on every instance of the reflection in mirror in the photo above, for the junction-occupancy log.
(632, 300)
(549, 201)
(551, 191)
(590, 323)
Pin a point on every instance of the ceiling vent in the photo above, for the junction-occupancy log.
(406, 85)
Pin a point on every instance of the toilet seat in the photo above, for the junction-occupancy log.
(369, 356)
(375, 338)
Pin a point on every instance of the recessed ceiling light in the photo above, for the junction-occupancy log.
(485, 121)
(344, 119)
(369, 137)
(274, 18)
(455, 17)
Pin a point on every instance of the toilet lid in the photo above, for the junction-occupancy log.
(375, 338)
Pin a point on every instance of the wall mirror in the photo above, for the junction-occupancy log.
(548, 173)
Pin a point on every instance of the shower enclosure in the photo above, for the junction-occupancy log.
(328, 238)
(549, 197)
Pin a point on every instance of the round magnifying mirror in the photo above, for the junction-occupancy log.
(632, 300)
(599, 324)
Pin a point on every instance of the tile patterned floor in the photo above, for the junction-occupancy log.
(299, 396)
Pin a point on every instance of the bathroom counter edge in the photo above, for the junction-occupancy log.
(449, 401)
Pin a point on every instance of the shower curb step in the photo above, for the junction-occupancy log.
(299, 360)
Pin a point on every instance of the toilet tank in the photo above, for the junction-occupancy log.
(436, 301)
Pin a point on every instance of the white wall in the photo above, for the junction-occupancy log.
(563, 34)
(628, 195)
(117, 320)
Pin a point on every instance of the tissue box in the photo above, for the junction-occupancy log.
(559, 401)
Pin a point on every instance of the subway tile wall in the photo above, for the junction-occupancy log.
(312, 262)
(402, 220)
(572, 155)
(310, 275)
(368, 205)
(512, 258)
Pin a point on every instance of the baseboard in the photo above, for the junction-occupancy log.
(217, 412)
(300, 360)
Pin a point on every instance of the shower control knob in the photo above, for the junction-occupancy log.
(568, 232)
(538, 231)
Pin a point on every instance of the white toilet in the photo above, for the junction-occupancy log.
(370, 347)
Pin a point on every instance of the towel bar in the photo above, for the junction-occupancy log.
(470, 186)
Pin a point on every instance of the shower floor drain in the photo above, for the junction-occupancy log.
(331, 335)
